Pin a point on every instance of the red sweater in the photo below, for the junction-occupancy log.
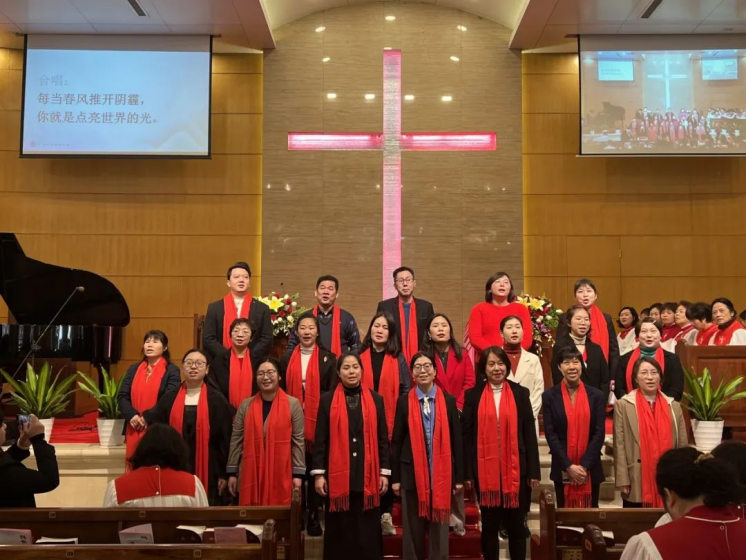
(484, 324)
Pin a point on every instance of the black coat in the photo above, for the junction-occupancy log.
(349, 334)
(171, 380)
(327, 369)
(423, 309)
(401, 445)
(220, 373)
(596, 371)
(528, 446)
(672, 383)
(18, 484)
(555, 427)
(564, 332)
(261, 327)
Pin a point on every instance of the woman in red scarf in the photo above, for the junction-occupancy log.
(700, 314)
(144, 385)
(232, 371)
(202, 415)
(351, 464)
(501, 453)
(626, 339)
(668, 322)
(428, 462)
(729, 331)
(267, 456)
(687, 332)
(647, 423)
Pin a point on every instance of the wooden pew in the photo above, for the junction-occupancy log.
(550, 543)
(595, 545)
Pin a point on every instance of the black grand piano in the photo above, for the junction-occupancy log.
(89, 328)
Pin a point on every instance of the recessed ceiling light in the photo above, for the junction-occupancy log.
(409, 97)
(331, 95)
(320, 29)
(455, 58)
(446, 98)
(390, 18)
(370, 96)
(461, 27)
(325, 59)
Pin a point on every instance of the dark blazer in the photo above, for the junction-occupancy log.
(219, 376)
(261, 327)
(528, 446)
(596, 371)
(564, 332)
(555, 427)
(322, 444)
(18, 484)
(327, 369)
(171, 380)
(423, 309)
(672, 383)
(349, 333)
(401, 445)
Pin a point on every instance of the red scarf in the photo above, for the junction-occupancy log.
(656, 437)
(144, 396)
(723, 336)
(152, 482)
(309, 397)
(202, 452)
(636, 353)
(434, 502)
(670, 332)
(599, 330)
(624, 332)
(339, 452)
(388, 385)
(683, 332)
(240, 378)
(498, 462)
(230, 315)
(336, 337)
(578, 430)
(704, 336)
(266, 468)
(409, 339)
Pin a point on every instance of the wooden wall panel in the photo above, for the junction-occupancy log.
(163, 231)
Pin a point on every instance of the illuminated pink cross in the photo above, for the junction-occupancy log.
(392, 142)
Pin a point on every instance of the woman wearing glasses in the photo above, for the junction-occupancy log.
(202, 415)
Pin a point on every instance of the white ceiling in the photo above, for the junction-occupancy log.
(545, 24)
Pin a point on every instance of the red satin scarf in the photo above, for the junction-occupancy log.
(498, 461)
(659, 357)
(336, 335)
(704, 336)
(230, 315)
(670, 332)
(339, 452)
(624, 332)
(144, 396)
(723, 336)
(683, 332)
(388, 385)
(409, 337)
(578, 429)
(656, 437)
(266, 467)
(434, 501)
(600, 330)
(309, 397)
(240, 378)
(202, 451)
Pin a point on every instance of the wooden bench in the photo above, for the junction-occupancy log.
(553, 540)
(596, 547)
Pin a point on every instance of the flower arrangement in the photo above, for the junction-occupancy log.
(544, 316)
(284, 311)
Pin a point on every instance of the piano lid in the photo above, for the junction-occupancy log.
(34, 291)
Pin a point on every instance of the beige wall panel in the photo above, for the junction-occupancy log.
(10, 89)
(237, 93)
(10, 130)
(563, 86)
(554, 287)
(15, 59)
(550, 133)
(4, 59)
(593, 256)
(719, 256)
(237, 64)
(660, 255)
(551, 64)
(640, 292)
(546, 255)
(237, 134)
(564, 174)
(180, 335)
(720, 214)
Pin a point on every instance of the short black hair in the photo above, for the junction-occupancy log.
(584, 282)
(638, 364)
(241, 321)
(417, 356)
(685, 304)
(198, 350)
(700, 311)
(569, 353)
(726, 302)
(269, 360)
(633, 311)
(348, 354)
(482, 365)
(657, 305)
(328, 278)
(161, 446)
(393, 345)
(494, 278)
(508, 318)
(645, 311)
(669, 306)
(742, 315)
(428, 346)
(567, 316)
(161, 337)
(240, 264)
(645, 321)
(733, 452)
(403, 269)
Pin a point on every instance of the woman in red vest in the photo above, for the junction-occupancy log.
(729, 331)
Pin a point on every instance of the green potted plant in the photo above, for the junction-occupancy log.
(40, 394)
(705, 405)
(110, 421)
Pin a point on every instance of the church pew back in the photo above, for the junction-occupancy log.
(595, 545)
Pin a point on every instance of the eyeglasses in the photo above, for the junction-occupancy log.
(404, 281)
(648, 373)
(269, 374)
(423, 367)
(195, 363)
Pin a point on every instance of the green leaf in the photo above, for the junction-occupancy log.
(702, 401)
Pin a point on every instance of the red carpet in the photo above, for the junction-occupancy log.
(75, 430)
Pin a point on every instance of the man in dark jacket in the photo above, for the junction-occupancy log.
(18, 484)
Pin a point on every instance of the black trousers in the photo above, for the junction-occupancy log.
(387, 501)
(559, 494)
(512, 520)
(628, 504)
(310, 498)
(353, 534)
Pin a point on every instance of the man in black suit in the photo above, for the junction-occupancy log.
(405, 283)
(214, 334)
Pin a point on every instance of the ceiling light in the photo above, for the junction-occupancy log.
(461, 27)
(446, 98)
(331, 95)
(370, 96)
(390, 18)
(325, 59)
(455, 58)
(409, 97)
(320, 29)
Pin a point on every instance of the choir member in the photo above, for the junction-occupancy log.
(351, 464)
(267, 456)
(626, 339)
(144, 385)
(687, 332)
(501, 452)
(742, 318)
(338, 329)
(308, 372)
(574, 422)
(410, 314)
(733, 452)
(700, 314)
(159, 476)
(203, 416)
(645, 312)
(428, 464)
(232, 370)
(385, 371)
(655, 311)
(729, 331)
(672, 374)
(238, 302)
(669, 328)
(601, 326)
(577, 324)
(696, 490)
(646, 424)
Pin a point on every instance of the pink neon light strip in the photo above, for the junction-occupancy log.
(466, 142)
(322, 141)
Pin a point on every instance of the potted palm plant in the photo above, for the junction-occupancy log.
(705, 405)
(110, 421)
(40, 394)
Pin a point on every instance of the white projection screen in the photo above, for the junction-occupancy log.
(662, 95)
(116, 96)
